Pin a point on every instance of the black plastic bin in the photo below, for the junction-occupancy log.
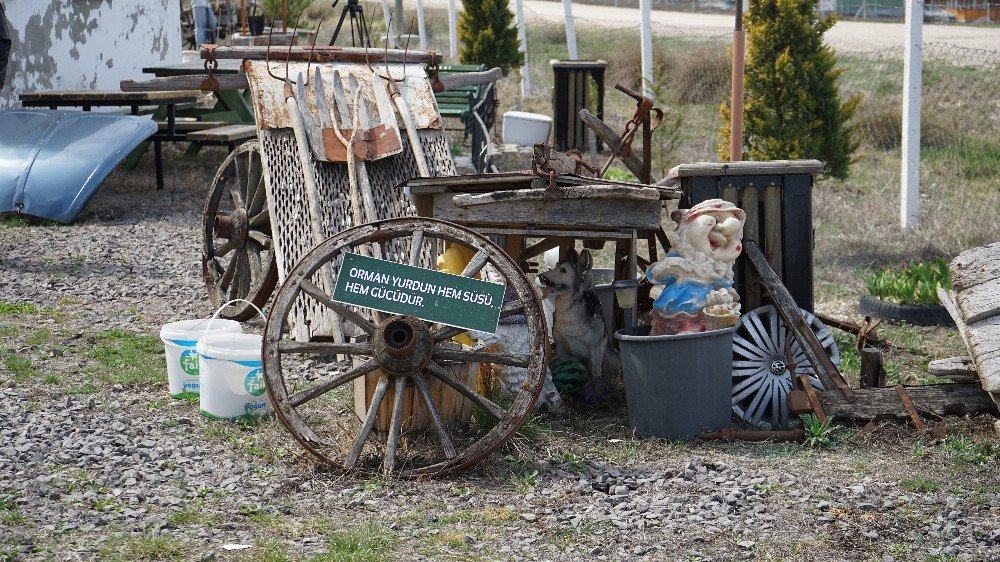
(680, 386)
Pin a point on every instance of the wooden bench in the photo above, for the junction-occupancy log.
(461, 103)
(189, 126)
(229, 135)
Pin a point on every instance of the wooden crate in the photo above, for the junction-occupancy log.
(777, 198)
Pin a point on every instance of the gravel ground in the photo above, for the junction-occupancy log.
(97, 463)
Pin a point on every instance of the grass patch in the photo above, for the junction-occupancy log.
(973, 452)
(38, 337)
(918, 484)
(20, 367)
(191, 515)
(128, 359)
(147, 548)
(21, 307)
(368, 543)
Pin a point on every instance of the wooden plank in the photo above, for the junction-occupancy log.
(980, 301)
(772, 228)
(936, 400)
(191, 82)
(568, 213)
(319, 53)
(456, 80)
(872, 371)
(952, 366)
(751, 231)
(747, 168)
(975, 266)
(984, 347)
(111, 96)
(612, 139)
(224, 134)
(797, 238)
(187, 126)
(789, 313)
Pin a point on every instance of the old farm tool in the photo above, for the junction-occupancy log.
(368, 388)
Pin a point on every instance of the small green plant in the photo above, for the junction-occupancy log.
(917, 284)
(918, 484)
(973, 452)
(293, 8)
(818, 433)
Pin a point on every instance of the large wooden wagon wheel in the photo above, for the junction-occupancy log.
(410, 364)
(761, 375)
(238, 257)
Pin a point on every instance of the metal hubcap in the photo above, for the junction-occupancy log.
(402, 346)
(778, 366)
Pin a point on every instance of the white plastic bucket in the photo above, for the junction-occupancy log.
(232, 378)
(179, 340)
(525, 129)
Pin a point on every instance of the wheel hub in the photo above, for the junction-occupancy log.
(241, 225)
(778, 366)
(402, 346)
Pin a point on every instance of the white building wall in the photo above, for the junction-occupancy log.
(86, 44)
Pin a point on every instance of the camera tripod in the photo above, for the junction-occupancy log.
(359, 28)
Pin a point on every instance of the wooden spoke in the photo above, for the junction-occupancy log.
(325, 348)
(392, 441)
(255, 176)
(476, 264)
(415, 247)
(337, 380)
(366, 429)
(342, 310)
(227, 277)
(480, 355)
(513, 307)
(257, 198)
(243, 274)
(236, 188)
(256, 263)
(260, 238)
(447, 333)
(227, 247)
(261, 219)
(425, 392)
(485, 403)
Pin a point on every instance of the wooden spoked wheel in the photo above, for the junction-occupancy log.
(238, 257)
(761, 375)
(362, 415)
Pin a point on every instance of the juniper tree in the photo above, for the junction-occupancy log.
(793, 107)
(488, 36)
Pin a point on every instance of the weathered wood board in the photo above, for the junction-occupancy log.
(975, 266)
(980, 301)
(934, 400)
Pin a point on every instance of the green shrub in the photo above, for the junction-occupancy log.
(294, 9)
(917, 284)
(793, 107)
(487, 35)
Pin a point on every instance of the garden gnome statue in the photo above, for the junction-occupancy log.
(697, 274)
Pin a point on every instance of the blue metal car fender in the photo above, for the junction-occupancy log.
(52, 162)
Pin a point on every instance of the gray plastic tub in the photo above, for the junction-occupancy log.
(680, 386)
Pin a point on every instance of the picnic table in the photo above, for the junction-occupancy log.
(165, 102)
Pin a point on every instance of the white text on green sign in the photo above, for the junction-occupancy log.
(427, 294)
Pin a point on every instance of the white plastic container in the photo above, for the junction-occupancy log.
(232, 381)
(525, 129)
(179, 339)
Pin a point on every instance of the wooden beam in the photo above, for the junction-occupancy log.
(935, 400)
(613, 140)
(189, 82)
(319, 54)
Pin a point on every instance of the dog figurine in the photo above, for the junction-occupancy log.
(578, 327)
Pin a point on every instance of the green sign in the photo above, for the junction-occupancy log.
(427, 294)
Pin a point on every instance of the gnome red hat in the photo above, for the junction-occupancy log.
(683, 216)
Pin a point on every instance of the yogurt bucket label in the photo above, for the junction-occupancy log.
(254, 382)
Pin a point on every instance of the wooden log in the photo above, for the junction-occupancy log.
(189, 82)
(872, 373)
(935, 400)
(465, 79)
(609, 137)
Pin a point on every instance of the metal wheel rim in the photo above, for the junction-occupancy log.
(284, 403)
(760, 386)
(249, 248)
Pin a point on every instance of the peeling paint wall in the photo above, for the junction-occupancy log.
(86, 44)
